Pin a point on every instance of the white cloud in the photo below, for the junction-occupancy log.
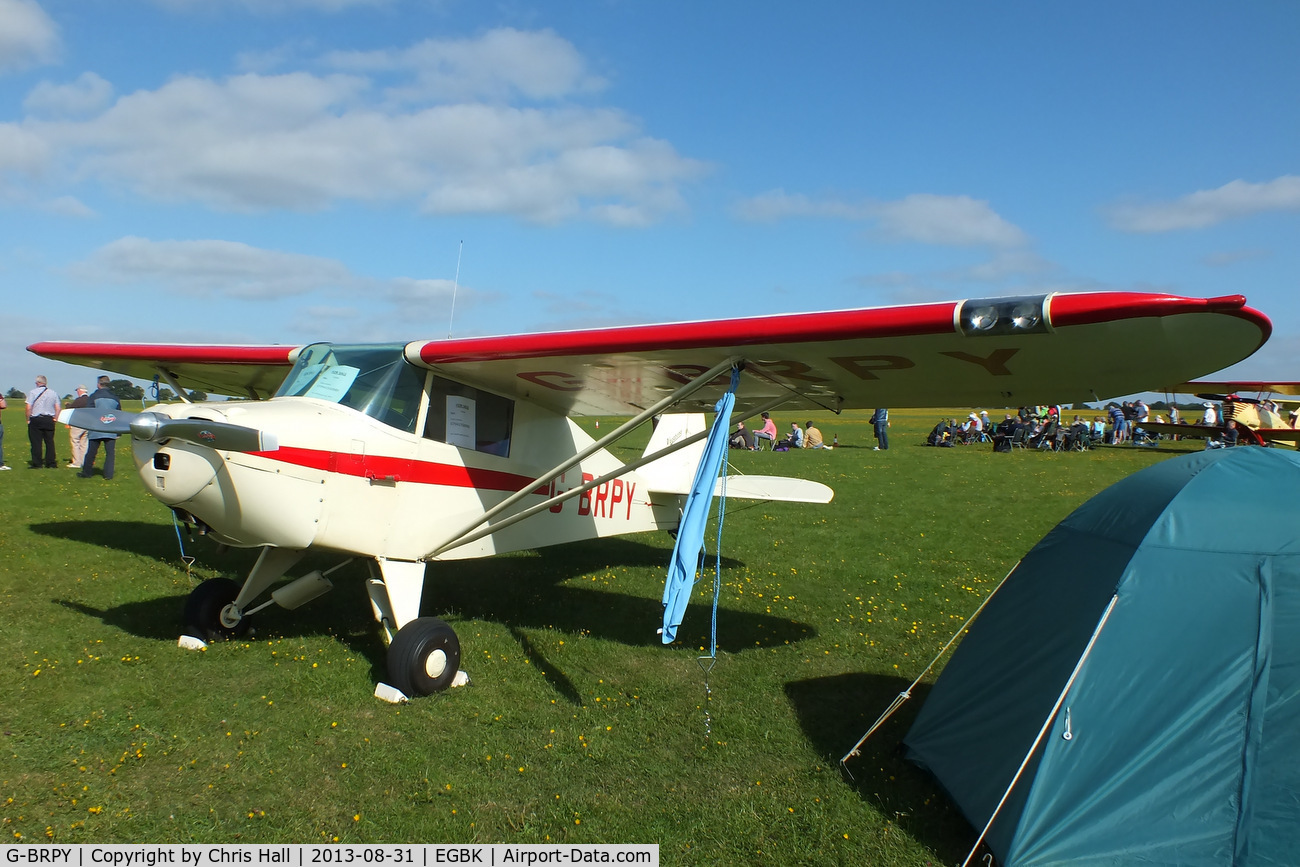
(1005, 263)
(923, 217)
(333, 299)
(502, 63)
(1205, 208)
(301, 141)
(949, 220)
(778, 205)
(1231, 257)
(68, 206)
(88, 94)
(22, 152)
(28, 36)
(211, 268)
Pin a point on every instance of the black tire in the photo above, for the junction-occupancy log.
(424, 657)
(203, 611)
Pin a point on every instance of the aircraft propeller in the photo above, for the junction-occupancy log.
(155, 427)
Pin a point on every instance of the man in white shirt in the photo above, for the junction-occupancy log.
(42, 407)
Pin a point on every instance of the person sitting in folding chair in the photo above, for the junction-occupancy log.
(766, 434)
(1045, 437)
(1003, 434)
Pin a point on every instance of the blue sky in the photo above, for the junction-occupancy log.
(282, 171)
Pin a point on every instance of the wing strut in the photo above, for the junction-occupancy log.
(583, 488)
(170, 379)
(636, 421)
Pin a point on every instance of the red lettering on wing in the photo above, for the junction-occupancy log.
(685, 373)
(553, 379)
(995, 364)
(865, 366)
(791, 370)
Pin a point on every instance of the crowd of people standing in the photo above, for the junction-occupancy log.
(41, 409)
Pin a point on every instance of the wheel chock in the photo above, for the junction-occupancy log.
(393, 695)
(390, 694)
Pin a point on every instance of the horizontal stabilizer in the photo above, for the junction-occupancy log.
(779, 488)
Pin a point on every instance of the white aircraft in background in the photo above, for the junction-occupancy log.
(407, 454)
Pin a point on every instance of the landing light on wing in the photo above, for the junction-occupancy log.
(996, 316)
(1026, 317)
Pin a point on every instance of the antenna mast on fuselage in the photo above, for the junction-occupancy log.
(455, 285)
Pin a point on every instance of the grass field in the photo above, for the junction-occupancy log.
(578, 727)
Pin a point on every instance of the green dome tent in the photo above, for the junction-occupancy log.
(1131, 693)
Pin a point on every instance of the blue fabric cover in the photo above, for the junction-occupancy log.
(683, 567)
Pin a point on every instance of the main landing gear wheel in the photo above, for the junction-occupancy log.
(424, 657)
(204, 607)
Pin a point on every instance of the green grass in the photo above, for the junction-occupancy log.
(579, 726)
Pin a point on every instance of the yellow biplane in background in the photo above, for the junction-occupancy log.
(1262, 420)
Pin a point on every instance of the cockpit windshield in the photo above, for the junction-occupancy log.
(374, 379)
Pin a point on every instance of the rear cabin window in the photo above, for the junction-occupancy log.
(468, 418)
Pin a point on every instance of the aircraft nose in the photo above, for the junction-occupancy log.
(175, 473)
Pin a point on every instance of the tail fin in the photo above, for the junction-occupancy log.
(674, 473)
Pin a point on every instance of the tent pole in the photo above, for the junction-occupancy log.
(903, 696)
(1060, 699)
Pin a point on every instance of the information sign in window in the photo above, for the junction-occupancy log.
(469, 418)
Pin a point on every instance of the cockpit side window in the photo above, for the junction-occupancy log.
(375, 380)
(469, 418)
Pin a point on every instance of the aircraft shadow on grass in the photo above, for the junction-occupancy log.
(522, 593)
(835, 711)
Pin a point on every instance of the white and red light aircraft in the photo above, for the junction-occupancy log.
(406, 454)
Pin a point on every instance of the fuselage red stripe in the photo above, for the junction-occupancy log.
(399, 469)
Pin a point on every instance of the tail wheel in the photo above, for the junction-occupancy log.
(204, 607)
(424, 657)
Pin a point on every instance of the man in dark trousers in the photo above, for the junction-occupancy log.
(43, 406)
(105, 401)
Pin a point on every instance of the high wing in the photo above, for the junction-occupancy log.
(237, 371)
(1230, 386)
(996, 352)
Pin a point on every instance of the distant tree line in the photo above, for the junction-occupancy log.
(123, 390)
